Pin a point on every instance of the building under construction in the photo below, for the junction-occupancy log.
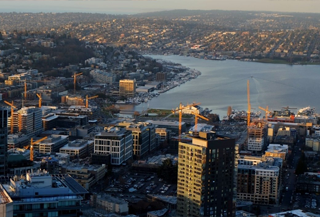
(256, 135)
(27, 120)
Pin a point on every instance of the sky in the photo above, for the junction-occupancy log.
(138, 6)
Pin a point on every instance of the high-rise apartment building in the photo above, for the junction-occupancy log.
(206, 176)
(116, 142)
(27, 120)
(3, 140)
(127, 87)
(258, 179)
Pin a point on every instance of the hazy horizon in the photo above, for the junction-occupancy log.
(142, 6)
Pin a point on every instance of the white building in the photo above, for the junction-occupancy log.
(110, 203)
(255, 144)
(102, 76)
(79, 148)
(114, 141)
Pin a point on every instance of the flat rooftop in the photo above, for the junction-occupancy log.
(77, 145)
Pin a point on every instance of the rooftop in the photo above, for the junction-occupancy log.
(168, 199)
(77, 144)
(112, 199)
(160, 212)
(293, 213)
(4, 197)
(41, 184)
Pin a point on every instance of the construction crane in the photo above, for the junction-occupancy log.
(179, 110)
(249, 105)
(87, 99)
(31, 146)
(40, 99)
(12, 107)
(75, 81)
(196, 116)
(266, 110)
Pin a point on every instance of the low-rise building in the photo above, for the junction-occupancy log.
(110, 204)
(78, 148)
(86, 175)
(308, 182)
(277, 150)
(41, 194)
(51, 145)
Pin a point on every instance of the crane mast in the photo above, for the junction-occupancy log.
(249, 105)
(12, 106)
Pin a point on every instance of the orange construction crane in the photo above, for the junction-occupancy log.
(266, 110)
(31, 146)
(12, 106)
(179, 109)
(87, 99)
(249, 105)
(40, 99)
(75, 81)
(196, 116)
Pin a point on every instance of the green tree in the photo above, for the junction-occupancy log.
(302, 165)
(168, 171)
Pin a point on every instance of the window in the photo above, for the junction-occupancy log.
(52, 214)
(35, 206)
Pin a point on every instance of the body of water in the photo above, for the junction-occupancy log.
(224, 83)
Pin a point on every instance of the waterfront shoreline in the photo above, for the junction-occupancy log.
(180, 79)
(222, 58)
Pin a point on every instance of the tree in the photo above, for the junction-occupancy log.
(168, 171)
(302, 165)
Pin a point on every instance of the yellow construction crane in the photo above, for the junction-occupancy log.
(196, 116)
(75, 81)
(31, 146)
(87, 99)
(12, 106)
(40, 100)
(249, 105)
(266, 110)
(179, 110)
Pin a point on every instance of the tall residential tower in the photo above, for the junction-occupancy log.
(206, 176)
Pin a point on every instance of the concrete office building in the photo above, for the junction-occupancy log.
(40, 194)
(51, 145)
(127, 87)
(78, 148)
(3, 141)
(86, 175)
(144, 137)
(206, 176)
(114, 141)
(110, 203)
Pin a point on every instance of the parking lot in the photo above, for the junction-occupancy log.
(138, 185)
